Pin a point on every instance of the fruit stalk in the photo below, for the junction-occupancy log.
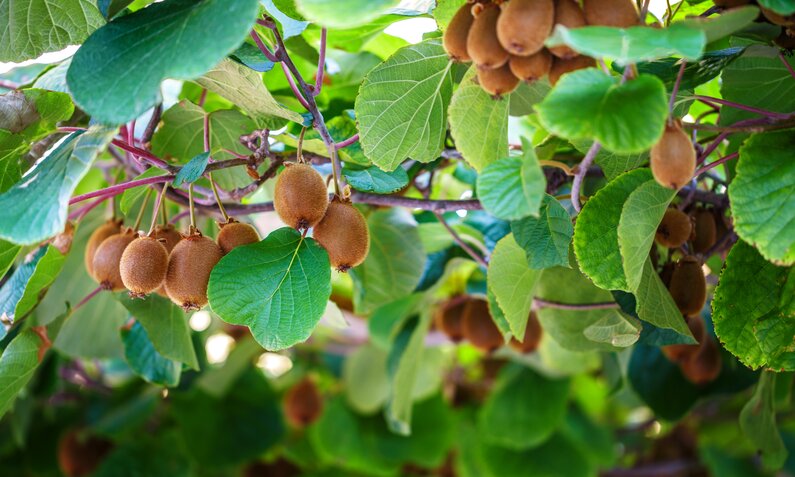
(482, 261)
(264, 49)
(321, 63)
(675, 89)
(582, 170)
(158, 207)
(716, 163)
(119, 188)
(750, 109)
(786, 64)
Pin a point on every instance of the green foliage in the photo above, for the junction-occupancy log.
(513, 187)
(512, 283)
(545, 239)
(343, 14)
(146, 361)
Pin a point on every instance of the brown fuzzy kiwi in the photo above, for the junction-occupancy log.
(674, 229)
(111, 227)
(667, 272)
(449, 318)
(143, 266)
(785, 40)
(777, 18)
(531, 68)
(688, 286)
(683, 352)
(344, 234)
(301, 196)
(705, 364)
(705, 230)
(455, 37)
(673, 158)
(482, 44)
(497, 82)
(107, 260)
(303, 404)
(524, 25)
(79, 456)
(569, 14)
(532, 336)
(560, 67)
(189, 267)
(479, 328)
(730, 3)
(167, 235)
(614, 13)
(234, 234)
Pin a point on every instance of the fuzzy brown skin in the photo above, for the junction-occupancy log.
(482, 44)
(673, 158)
(79, 457)
(344, 234)
(569, 14)
(531, 68)
(524, 25)
(449, 318)
(455, 37)
(107, 260)
(615, 13)
(706, 231)
(688, 286)
(532, 336)
(497, 82)
(683, 352)
(479, 328)
(303, 404)
(674, 229)
(143, 266)
(168, 236)
(704, 366)
(111, 227)
(301, 196)
(777, 19)
(189, 267)
(235, 234)
(560, 67)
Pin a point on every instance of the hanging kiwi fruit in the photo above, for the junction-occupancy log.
(560, 67)
(532, 336)
(107, 260)
(482, 44)
(497, 82)
(111, 227)
(705, 230)
(233, 234)
(167, 235)
(189, 268)
(705, 364)
(569, 14)
(455, 37)
(79, 454)
(479, 328)
(143, 266)
(300, 196)
(531, 68)
(777, 18)
(344, 234)
(688, 286)
(524, 25)
(682, 352)
(674, 230)
(612, 13)
(673, 158)
(449, 318)
(303, 404)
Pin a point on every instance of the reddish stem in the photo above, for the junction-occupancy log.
(202, 97)
(675, 89)
(119, 188)
(264, 49)
(716, 163)
(8, 84)
(582, 170)
(87, 298)
(82, 211)
(351, 140)
(321, 63)
(750, 109)
(786, 64)
(291, 81)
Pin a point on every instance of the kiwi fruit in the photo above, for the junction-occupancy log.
(455, 37)
(301, 196)
(667, 272)
(303, 404)
(344, 234)
(111, 227)
(479, 328)
(777, 18)
(688, 286)
(482, 44)
(497, 82)
(167, 235)
(730, 3)
(682, 352)
(531, 68)
(613, 13)
(234, 234)
(674, 229)
(80, 455)
(449, 318)
(673, 158)
(532, 336)
(143, 266)
(705, 364)
(569, 14)
(784, 40)
(560, 67)
(107, 260)
(189, 267)
(524, 25)
(706, 231)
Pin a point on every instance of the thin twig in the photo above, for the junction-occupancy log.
(461, 243)
(571, 306)
(291, 82)
(8, 84)
(157, 113)
(675, 89)
(264, 49)
(351, 140)
(582, 170)
(321, 63)
(786, 64)
(744, 107)
(716, 163)
(119, 188)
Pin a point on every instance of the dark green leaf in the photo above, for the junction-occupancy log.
(758, 422)
(545, 239)
(144, 359)
(374, 179)
(17, 365)
(513, 187)
(696, 73)
(193, 170)
(8, 253)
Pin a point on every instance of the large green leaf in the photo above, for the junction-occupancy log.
(158, 454)
(376, 180)
(513, 187)
(762, 195)
(30, 282)
(37, 209)
(655, 304)
(17, 365)
(784, 7)
(696, 72)
(402, 105)
(115, 75)
(729, 21)
(345, 13)
(512, 282)
(8, 253)
(545, 239)
(758, 422)
(144, 359)
(366, 384)
(29, 28)
(278, 287)
(588, 104)
(478, 123)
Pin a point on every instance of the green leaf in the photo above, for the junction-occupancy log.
(8, 253)
(783, 7)
(277, 287)
(655, 305)
(17, 365)
(435, 237)
(729, 21)
(527, 95)
(588, 104)
(33, 113)
(12, 147)
(387, 320)
(145, 361)
(193, 170)
(343, 14)
(402, 105)
(762, 196)
(612, 164)
(758, 423)
(366, 384)
(37, 209)
(373, 179)
(545, 239)
(512, 282)
(524, 408)
(115, 75)
(558, 456)
(642, 213)
(33, 27)
(54, 79)
(513, 187)
(696, 73)
(478, 123)
(394, 267)
(159, 455)
(30, 282)
(287, 17)
(634, 44)
(131, 196)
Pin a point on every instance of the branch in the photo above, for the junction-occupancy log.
(351, 140)
(582, 170)
(571, 306)
(321, 63)
(750, 109)
(8, 84)
(461, 243)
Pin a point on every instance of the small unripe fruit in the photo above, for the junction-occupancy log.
(673, 158)
(167, 235)
(234, 234)
(705, 234)
(479, 328)
(531, 68)
(524, 25)
(569, 14)
(455, 37)
(688, 286)
(344, 234)
(674, 229)
(532, 336)
(80, 457)
(449, 318)
(143, 266)
(614, 13)
(107, 260)
(560, 67)
(189, 268)
(497, 82)
(303, 404)
(482, 44)
(683, 352)
(301, 196)
(111, 227)
(705, 365)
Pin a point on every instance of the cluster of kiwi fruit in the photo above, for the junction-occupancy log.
(80, 454)
(787, 22)
(468, 318)
(699, 363)
(505, 39)
(302, 202)
(303, 403)
(701, 228)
